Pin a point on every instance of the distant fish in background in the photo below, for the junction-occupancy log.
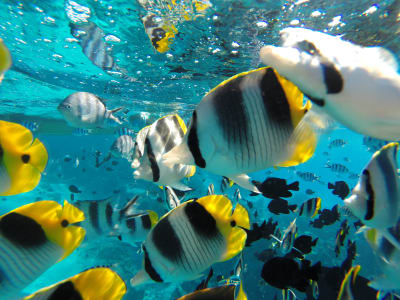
(22, 159)
(152, 143)
(81, 132)
(357, 86)
(308, 176)
(289, 235)
(274, 188)
(86, 110)
(123, 147)
(326, 217)
(226, 183)
(95, 283)
(74, 189)
(34, 237)
(5, 59)
(337, 168)
(336, 143)
(171, 199)
(310, 192)
(341, 236)
(310, 208)
(262, 231)
(340, 188)
(281, 206)
(240, 127)
(373, 144)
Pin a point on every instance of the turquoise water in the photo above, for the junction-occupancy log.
(49, 64)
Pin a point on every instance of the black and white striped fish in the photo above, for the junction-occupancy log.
(158, 139)
(86, 110)
(250, 122)
(192, 237)
(123, 147)
(211, 189)
(288, 238)
(310, 207)
(103, 219)
(337, 168)
(34, 237)
(171, 199)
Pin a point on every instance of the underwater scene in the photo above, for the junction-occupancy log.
(199, 149)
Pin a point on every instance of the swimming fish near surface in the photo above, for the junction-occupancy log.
(22, 159)
(5, 59)
(375, 198)
(275, 188)
(86, 110)
(36, 236)
(171, 199)
(158, 139)
(357, 86)
(95, 283)
(192, 237)
(249, 122)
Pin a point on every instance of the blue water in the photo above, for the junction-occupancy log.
(48, 65)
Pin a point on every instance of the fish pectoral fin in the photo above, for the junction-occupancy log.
(180, 186)
(243, 180)
(178, 155)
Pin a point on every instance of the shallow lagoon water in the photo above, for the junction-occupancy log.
(49, 64)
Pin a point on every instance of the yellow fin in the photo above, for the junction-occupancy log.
(153, 217)
(181, 123)
(192, 171)
(5, 57)
(220, 207)
(235, 241)
(18, 144)
(317, 207)
(163, 44)
(241, 294)
(241, 217)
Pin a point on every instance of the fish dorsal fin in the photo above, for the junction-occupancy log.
(347, 283)
(181, 123)
(382, 55)
(317, 207)
(127, 209)
(17, 142)
(5, 57)
(153, 217)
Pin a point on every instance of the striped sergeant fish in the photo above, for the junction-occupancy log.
(375, 198)
(34, 237)
(5, 59)
(123, 147)
(86, 110)
(192, 237)
(22, 159)
(103, 219)
(95, 283)
(250, 122)
(310, 208)
(161, 137)
(288, 238)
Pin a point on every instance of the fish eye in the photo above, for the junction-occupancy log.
(233, 223)
(64, 223)
(25, 158)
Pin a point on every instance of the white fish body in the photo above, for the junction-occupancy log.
(357, 86)
(86, 110)
(124, 147)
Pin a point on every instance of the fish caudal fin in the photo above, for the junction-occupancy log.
(178, 155)
(294, 186)
(243, 180)
(140, 278)
(112, 117)
(292, 207)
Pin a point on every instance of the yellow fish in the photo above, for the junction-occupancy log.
(5, 59)
(96, 283)
(34, 237)
(22, 159)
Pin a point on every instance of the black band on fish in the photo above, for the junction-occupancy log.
(155, 170)
(371, 197)
(178, 126)
(166, 240)
(149, 268)
(22, 230)
(193, 143)
(317, 101)
(201, 220)
(65, 290)
(164, 132)
(158, 34)
(332, 78)
(131, 224)
(275, 101)
(146, 222)
(94, 216)
(1, 152)
(109, 213)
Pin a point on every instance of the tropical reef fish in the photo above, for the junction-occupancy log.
(226, 183)
(375, 198)
(123, 147)
(289, 235)
(326, 217)
(249, 122)
(5, 59)
(36, 236)
(281, 206)
(192, 237)
(357, 86)
(340, 188)
(345, 292)
(304, 244)
(275, 188)
(310, 207)
(373, 144)
(74, 189)
(308, 176)
(86, 110)
(22, 159)
(337, 143)
(341, 236)
(95, 283)
(337, 168)
(161, 137)
(171, 199)
(283, 273)
(262, 231)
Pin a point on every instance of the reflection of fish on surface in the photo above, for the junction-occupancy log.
(36, 236)
(5, 59)
(358, 86)
(95, 283)
(189, 239)
(91, 39)
(22, 159)
(152, 142)
(249, 122)
(162, 18)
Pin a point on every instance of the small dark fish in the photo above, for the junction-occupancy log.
(73, 189)
(281, 206)
(310, 192)
(341, 236)
(326, 217)
(340, 188)
(337, 143)
(284, 273)
(304, 243)
(109, 169)
(226, 183)
(67, 159)
(265, 255)
(260, 232)
(274, 188)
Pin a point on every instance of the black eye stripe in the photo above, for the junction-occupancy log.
(25, 158)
